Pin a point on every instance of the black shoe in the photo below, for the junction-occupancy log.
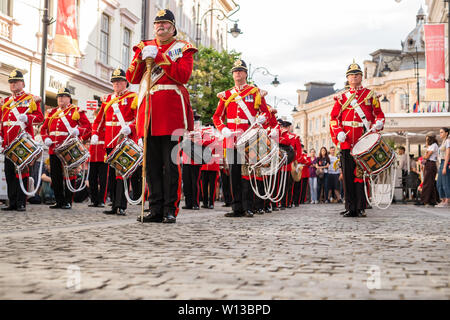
(233, 214)
(21, 208)
(92, 205)
(211, 207)
(350, 214)
(205, 206)
(267, 210)
(275, 209)
(100, 205)
(121, 212)
(112, 211)
(362, 214)
(248, 214)
(9, 208)
(66, 206)
(195, 208)
(147, 210)
(151, 217)
(296, 205)
(343, 212)
(260, 211)
(289, 206)
(227, 205)
(170, 218)
(56, 206)
(282, 208)
(339, 201)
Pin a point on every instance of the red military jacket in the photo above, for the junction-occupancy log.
(55, 129)
(344, 117)
(24, 103)
(293, 140)
(306, 161)
(169, 107)
(229, 109)
(98, 151)
(210, 140)
(108, 120)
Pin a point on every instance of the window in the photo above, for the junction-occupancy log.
(104, 39)
(126, 52)
(6, 7)
(310, 125)
(317, 123)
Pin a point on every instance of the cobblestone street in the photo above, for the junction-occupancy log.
(309, 252)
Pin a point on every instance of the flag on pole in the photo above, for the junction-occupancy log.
(435, 58)
(66, 38)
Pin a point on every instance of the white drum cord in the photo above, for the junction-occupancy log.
(127, 195)
(31, 193)
(382, 187)
(84, 179)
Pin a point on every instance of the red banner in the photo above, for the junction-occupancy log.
(435, 53)
(66, 39)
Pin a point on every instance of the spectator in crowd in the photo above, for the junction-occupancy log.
(323, 163)
(46, 192)
(403, 165)
(429, 190)
(313, 177)
(334, 185)
(443, 182)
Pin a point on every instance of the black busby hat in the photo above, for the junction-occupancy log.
(64, 92)
(354, 68)
(15, 75)
(286, 124)
(239, 65)
(166, 15)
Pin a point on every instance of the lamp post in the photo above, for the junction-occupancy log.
(448, 47)
(285, 101)
(406, 92)
(46, 21)
(264, 72)
(235, 31)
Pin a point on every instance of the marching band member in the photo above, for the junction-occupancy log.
(169, 112)
(356, 111)
(61, 122)
(116, 116)
(19, 112)
(210, 170)
(301, 186)
(242, 106)
(98, 172)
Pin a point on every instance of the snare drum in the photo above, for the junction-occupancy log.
(372, 153)
(256, 146)
(125, 158)
(23, 151)
(72, 153)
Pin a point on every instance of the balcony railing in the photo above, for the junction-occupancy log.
(6, 27)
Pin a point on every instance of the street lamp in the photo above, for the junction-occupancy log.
(282, 100)
(264, 72)
(235, 31)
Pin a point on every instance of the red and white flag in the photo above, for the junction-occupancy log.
(435, 54)
(66, 39)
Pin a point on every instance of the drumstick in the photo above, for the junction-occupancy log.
(149, 65)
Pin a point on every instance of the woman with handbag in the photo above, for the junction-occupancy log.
(429, 190)
(323, 162)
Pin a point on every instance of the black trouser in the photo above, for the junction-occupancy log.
(15, 194)
(248, 196)
(259, 203)
(303, 190)
(297, 192)
(209, 181)
(62, 193)
(117, 191)
(163, 175)
(97, 181)
(136, 183)
(287, 197)
(191, 184)
(226, 187)
(353, 191)
(236, 179)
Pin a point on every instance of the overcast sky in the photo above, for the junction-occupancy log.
(316, 40)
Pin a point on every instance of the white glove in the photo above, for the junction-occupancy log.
(261, 119)
(74, 132)
(140, 143)
(125, 131)
(221, 95)
(273, 134)
(94, 139)
(48, 142)
(226, 132)
(341, 136)
(379, 125)
(149, 52)
(23, 118)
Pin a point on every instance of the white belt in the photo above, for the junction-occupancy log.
(237, 121)
(59, 133)
(159, 87)
(11, 123)
(116, 123)
(354, 124)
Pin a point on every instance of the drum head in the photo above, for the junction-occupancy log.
(366, 143)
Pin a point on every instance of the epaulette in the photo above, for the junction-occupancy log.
(187, 46)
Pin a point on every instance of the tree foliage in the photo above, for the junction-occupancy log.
(211, 75)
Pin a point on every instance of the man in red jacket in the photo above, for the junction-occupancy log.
(61, 122)
(19, 112)
(356, 111)
(117, 117)
(165, 102)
